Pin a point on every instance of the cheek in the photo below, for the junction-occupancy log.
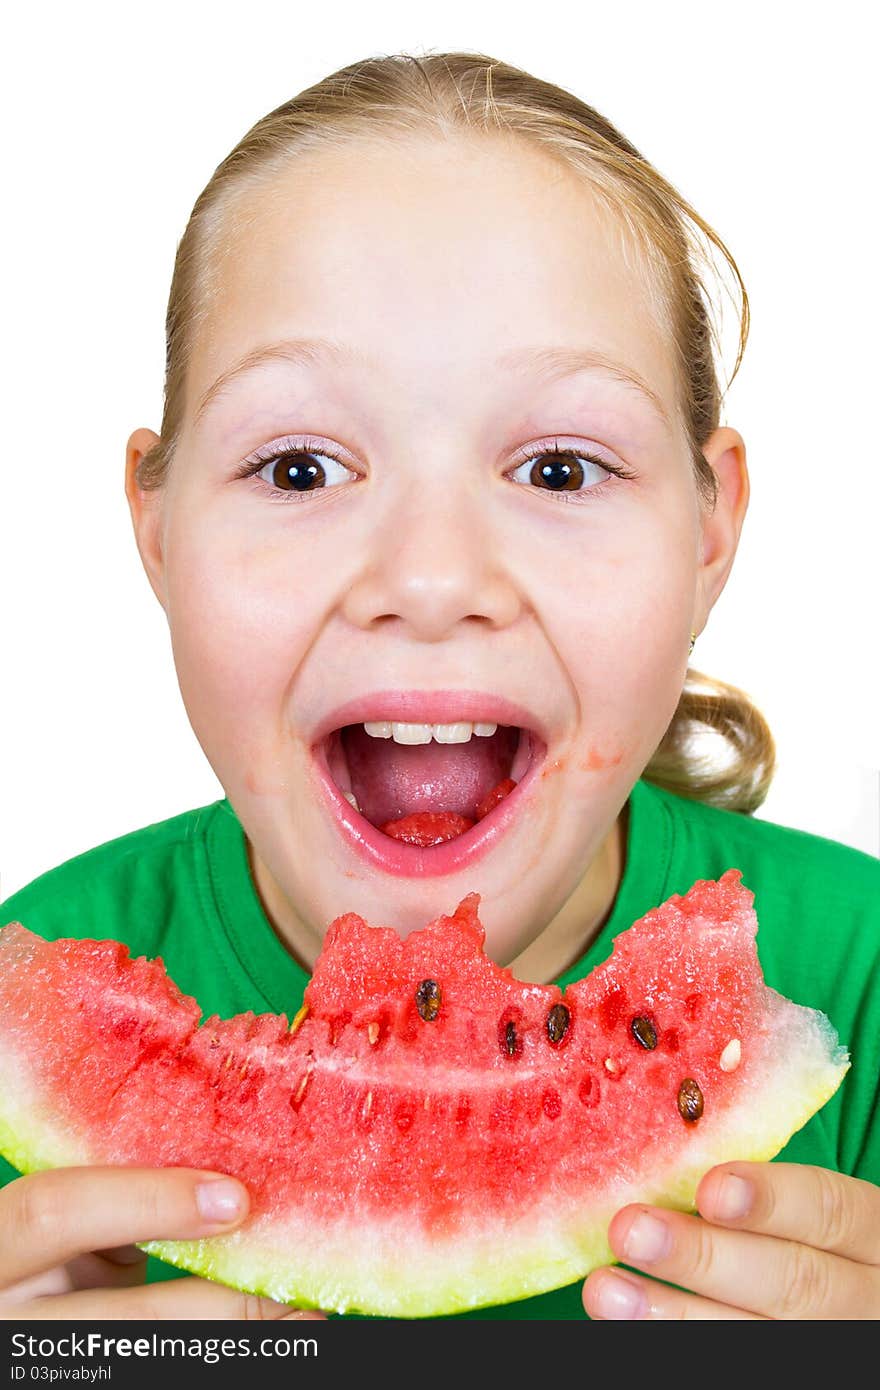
(241, 618)
(619, 620)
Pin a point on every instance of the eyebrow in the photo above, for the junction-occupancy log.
(551, 364)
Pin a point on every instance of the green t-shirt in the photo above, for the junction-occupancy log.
(181, 889)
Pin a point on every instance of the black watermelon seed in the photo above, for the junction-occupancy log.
(428, 1000)
(644, 1032)
(690, 1100)
(510, 1038)
(558, 1020)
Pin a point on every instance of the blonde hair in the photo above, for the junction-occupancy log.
(718, 747)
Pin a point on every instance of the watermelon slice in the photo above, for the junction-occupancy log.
(429, 1135)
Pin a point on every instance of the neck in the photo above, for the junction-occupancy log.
(579, 921)
(562, 941)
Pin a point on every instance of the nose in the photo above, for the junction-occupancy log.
(432, 562)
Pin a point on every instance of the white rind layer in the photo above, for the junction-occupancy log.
(392, 1269)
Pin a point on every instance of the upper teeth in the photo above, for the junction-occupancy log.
(423, 733)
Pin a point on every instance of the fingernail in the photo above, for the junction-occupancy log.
(647, 1239)
(734, 1199)
(618, 1298)
(220, 1201)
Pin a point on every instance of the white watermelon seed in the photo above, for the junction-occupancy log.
(730, 1057)
(297, 1099)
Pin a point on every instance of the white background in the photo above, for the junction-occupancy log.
(765, 117)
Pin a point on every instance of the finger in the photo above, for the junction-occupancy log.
(82, 1272)
(117, 1268)
(50, 1217)
(612, 1294)
(168, 1299)
(758, 1273)
(796, 1202)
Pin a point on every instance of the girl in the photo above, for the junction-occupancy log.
(440, 503)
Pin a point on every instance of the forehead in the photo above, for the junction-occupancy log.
(436, 255)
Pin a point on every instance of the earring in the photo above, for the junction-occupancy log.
(693, 640)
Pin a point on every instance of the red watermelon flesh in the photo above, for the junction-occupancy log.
(431, 1134)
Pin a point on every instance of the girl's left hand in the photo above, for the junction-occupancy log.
(777, 1240)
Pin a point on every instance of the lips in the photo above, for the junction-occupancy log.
(414, 706)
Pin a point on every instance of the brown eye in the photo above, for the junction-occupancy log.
(298, 472)
(564, 470)
(559, 471)
(293, 468)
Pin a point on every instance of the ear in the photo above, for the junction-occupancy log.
(146, 509)
(720, 528)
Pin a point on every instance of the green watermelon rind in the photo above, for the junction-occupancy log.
(543, 1250)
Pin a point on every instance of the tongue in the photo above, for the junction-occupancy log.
(393, 780)
(425, 828)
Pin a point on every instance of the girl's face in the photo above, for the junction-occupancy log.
(417, 561)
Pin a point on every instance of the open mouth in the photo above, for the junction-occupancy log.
(426, 784)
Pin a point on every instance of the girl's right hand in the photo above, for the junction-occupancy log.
(66, 1248)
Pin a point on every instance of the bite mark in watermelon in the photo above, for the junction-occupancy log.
(430, 1134)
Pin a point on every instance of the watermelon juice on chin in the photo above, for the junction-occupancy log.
(429, 1134)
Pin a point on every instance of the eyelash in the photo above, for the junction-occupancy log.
(271, 453)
